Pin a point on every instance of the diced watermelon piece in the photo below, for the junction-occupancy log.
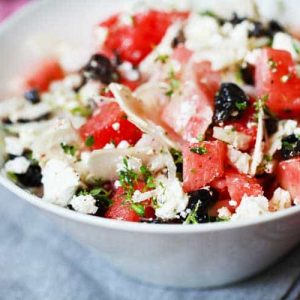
(241, 184)
(135, 39)
(122, 209)
(201, 169)
(190, 112)
(288, 175)
(220, 185)
(41, 77)
(109, 125)
(276, 77)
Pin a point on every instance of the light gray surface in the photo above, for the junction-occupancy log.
(37, 261)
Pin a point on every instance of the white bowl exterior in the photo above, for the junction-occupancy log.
(190, 260)
(180, 257)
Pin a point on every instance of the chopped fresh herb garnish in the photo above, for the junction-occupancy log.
(12, 176)
(163, 58)
(192, 217)
(200, 137)
(199, 150)
(138, 208)
(296, 47)
(148, 178)
(260, 103)
(82, 111)
(90, 141)
(241, 105)
(173, 82)
(128, 178)
(208, 13)
(68, 149)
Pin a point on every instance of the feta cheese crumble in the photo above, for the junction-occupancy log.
(60, 182)
(281, 200)
(251, 207)
(18, 165)
(85, 204)
(13, 146)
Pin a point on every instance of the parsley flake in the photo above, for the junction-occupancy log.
(163, 58)
(68, 149)
(138, 208)
(199, 150)
(90, 141)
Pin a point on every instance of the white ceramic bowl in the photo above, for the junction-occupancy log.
(170, 255)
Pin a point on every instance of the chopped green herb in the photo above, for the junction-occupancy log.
(174, 83)
(82, 111)
(241, 105)
(148, 178)
(192, 217)
(90, 141)
(296, 47)
(260, 103)
(68, 149)
(200, 137)
(208, 13)
(138, 208)
(12, 176)
(177, 156)
(199, 150)
(163, 58)
(128, 178)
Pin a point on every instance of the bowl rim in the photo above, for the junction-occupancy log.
(119, 224)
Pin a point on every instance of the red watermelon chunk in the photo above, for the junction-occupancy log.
(201, 169)
(41, 77)
(109, 125)
(190, 112)
(276, 77)
(135, 39)
(121, 208)
(288, 176)
(241, 184)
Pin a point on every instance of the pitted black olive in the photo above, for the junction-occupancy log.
(199, 202)
(230, 102)
(32, 178)
(100, 68)
(33, 96)
(247, 74)
(290, 146)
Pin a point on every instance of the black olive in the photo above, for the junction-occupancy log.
(247, 74)
(258, 30)
(290, 146)
(274, 27)
(33, 96)
(32, 178)
(179, 39)
(200, 201)
(230, 102)
(7, 121)
(116, 60)
(41, 118)
(271, 122)
(83, 81)
(235, 20)
(100, 68)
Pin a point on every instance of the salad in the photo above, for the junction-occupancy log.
(177, 117)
